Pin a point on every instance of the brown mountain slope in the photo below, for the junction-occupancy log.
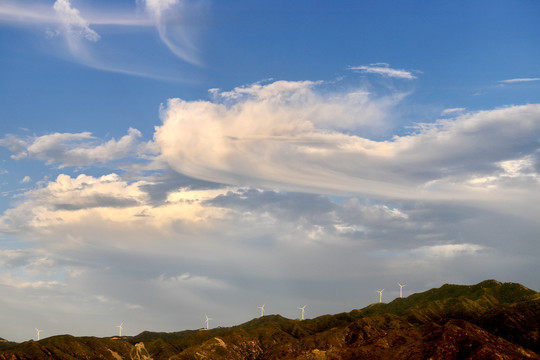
(489, 320)
(381, 337)
(67, 347)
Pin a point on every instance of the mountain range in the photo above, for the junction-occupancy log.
(489, 320)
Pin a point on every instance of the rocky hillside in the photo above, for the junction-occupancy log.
(490, 320)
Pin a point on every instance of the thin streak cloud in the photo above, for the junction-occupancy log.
(453, 111)
(168, 14)
(40, 14)
(518, 80)
(384, 69)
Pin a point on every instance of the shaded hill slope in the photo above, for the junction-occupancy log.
(489, 320)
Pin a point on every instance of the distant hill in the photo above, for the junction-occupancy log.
(4, 343)
(489, 320)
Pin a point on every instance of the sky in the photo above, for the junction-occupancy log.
(165, 159)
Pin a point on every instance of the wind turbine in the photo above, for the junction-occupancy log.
(207, 321)
(380, 295)
(262, 309)
(38, 331)
(120, 327)
(401, 289)
(303, 308)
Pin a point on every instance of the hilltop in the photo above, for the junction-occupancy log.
(489, 320)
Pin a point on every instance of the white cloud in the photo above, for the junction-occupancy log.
(384, 70)
(26, 179)
(518, 80)
(188, 280)
(76, 149)
(18, 283)
(169, 17)
(157, 7)
(74, 206)
(74, 24)
(448, 250)
(15, 145)
(258, 126)
(452, 111)
(287, 135)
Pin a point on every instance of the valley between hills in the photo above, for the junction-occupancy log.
(489, 320)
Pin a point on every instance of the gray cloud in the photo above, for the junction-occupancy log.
(159, 186)
(16, 258)
(287, 207)
(254, 246)
(96, 201)
(454, 201)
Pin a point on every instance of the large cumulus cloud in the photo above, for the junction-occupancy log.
(293, 135)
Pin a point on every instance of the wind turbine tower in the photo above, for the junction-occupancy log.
(401, 289)
(207, 321)
(380, 295)
(303, 308)
(38, 331)
(262, 309)
(120, 327)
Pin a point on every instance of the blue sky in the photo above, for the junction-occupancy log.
(177, 157)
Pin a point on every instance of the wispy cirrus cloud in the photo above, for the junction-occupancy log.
(384, 69)
(17, 13)
(518, 80)
(26, 12)
(169, 15)
(91, 48)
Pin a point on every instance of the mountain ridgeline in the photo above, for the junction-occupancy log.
(489, 320)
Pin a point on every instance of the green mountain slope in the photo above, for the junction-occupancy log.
(489, 320)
